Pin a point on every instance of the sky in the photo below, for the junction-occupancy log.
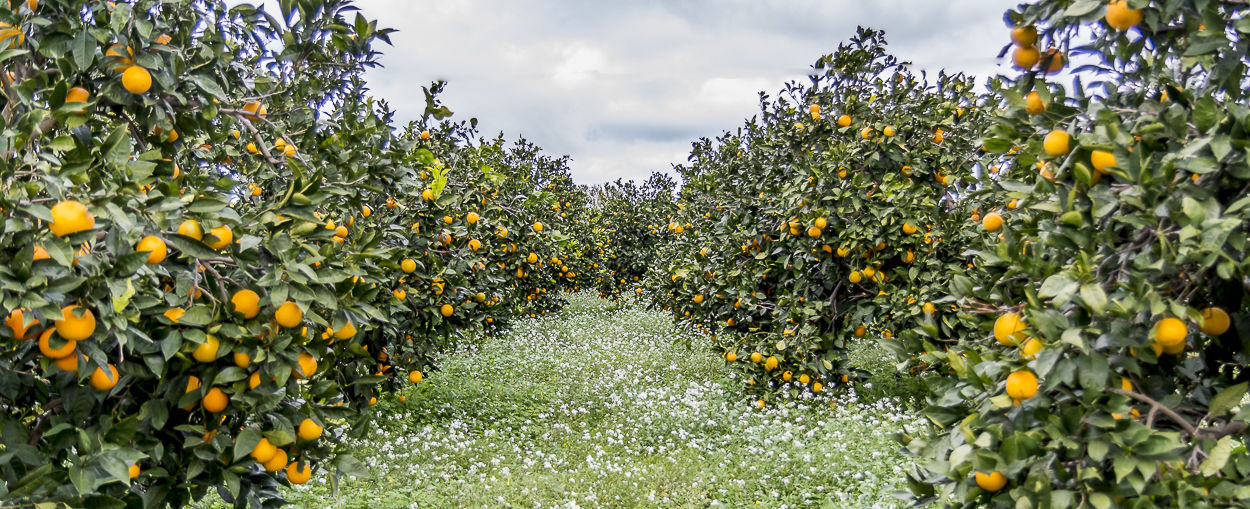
(623, 87)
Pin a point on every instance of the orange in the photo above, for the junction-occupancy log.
(216, 400)
(14, 37)
(415, 376)
(307, 366)
(155, 247)
(814, 232)
(427, 194)
(264, 451)
(446, 310)
(425, 135)
(860, 330)
(1101, 160)
(992, 481)
(40, 254)
(309, 430)
(929, 308)
(137, 80)
(191, 228)
(104, 381)
(1057, 143)
(298, 475)
(1030, 348)
(253, 381)
(74, 327)
(78, 95)
(1033, 103)
(408, 265)
(246, 303)
(69, 217)
(1053, 60)
(340, 232)
(365, 211)
(816, 387)
(855, 278)
(731, 357)
(1022, 385)
(224, 237)
(17, 323)
(69, 362)
(346, 332)
(255, 110)
(502, 232)
(207, 351)
(771, 363)
(909, 229)
(757, 357)
(242, 359)
(289, 314)
(1170, 332)
(471, 218)
(1007, 329)
(538, 227)
(276, 462)
(134, 471)
(45, 345)
(1120, 17)
(475, 245)
(1025, 57)
(1215, 321)
(193, 384)
(1024, 36)
(844, 120)
(992, 222)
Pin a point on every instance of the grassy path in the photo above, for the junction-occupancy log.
(598, 407)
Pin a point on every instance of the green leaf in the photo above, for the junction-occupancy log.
(1058, 287)
(1227, 399)
(1094, 296)
(245, 442)
(1217, 457)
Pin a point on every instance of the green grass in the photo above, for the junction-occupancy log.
(600, 407)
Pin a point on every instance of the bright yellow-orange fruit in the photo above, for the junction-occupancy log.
(1120, 17)
(771, 363)
(408, 265)
(191, 228)
(16, 322)
(1024, 36)
(289, 314)
(1215, 321)
(298, 472)
(241, 359)
(246, 302)
(75, 327)
(346, 332)
(1033, 103)
(1170, 332)
(307, 366)
(446, 310)
(264, 451)
(224, 237)
(56, 352)
(1025, 57)
(992, 222)
(207, 351)
(216, 400)
(844, 120)
(69, 217)
(731, 357)
(104, 381)
(309, 430)
(992, 481)
(155, 247)
(1101, 160)
(276, 462)
(415, 376)
(471, 218)
(1057, 143)
(137, 80)
(1022, 385)
(1007, 329)
(757, 358)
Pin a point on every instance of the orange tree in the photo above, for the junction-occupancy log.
(215, 255)
(627, 231)
(1109, 370)
(830, 216)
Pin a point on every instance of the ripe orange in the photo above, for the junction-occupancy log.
(1025, 36)
(307, 366)
(1215, 321)
(289, 314)
(104, 381)
(69, 217)
(1101, 160)
(191, 228)
(471, 218)
(298, 475)
(75, 327)
(844, 120)
(814, 232)
(909, 229)
(1025, 57)
(992, 222)
(40, 254)
(246, 303)
(155, 247)
(757, 357)
(263, 451)
(17, 323)
(446, 310)
(538, 227)
(855, 277)
(1007, 329)
(242, 359)
(207, 351)
(1053, 60)
(56, 352)
(216, 400)
(992, 481)
(1022, 385)
(731, 357)
(69, 362)
(415, 376)
(816, 387)
(408, 265)
(137, 80)
(255, 110)
(224, 237)
(347, 332)
(771, 363)
(309, 430)
(1057, 143)
(1170, 333)
(1030, 348)
(276, 462)
(1033, 103)
(134, 471)
(425, 135)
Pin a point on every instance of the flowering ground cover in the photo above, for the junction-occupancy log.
(607, 407)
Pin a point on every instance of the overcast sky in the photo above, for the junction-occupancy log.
(624, 86)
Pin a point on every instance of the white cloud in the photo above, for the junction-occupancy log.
(624, 87)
